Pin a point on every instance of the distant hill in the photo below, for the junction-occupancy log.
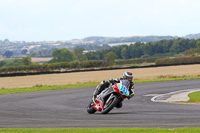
(193, 36)
(93, 38)
(106, 40)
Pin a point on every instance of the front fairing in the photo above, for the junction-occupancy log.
(122, 88)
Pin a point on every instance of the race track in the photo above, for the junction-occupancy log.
(67, 109)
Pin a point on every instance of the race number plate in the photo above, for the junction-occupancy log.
(123, 89)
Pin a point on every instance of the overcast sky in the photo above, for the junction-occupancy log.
(53, 20)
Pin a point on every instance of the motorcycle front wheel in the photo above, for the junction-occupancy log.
(90, 108)
(109, 105)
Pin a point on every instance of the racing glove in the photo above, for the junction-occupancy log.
(132, 93)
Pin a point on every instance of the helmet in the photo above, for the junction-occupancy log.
(128, 76)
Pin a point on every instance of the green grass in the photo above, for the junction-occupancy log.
(42, 88)
(134, 65)
(104, 130)
(162, 78)
(194, 97)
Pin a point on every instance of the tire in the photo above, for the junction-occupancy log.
(112, 103)
(90, 108)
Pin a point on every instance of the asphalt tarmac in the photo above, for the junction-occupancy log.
(67, 109)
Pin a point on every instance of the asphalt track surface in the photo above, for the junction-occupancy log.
(67, 109)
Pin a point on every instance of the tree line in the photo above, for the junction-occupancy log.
(136, 50)
(66, 59)
(146, 50)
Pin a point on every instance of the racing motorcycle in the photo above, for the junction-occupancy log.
(109, 98)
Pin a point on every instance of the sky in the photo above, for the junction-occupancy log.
(60, 20)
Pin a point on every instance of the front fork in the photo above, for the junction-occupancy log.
(93, 99)
(109, 98)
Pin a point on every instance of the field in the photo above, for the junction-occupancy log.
(33, 59)
(98, 76)
(104, 130)
(45, 59)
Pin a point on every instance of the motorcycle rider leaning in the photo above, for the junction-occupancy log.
(104, 84)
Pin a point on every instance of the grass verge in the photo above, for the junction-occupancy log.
(194, 97)
(162, 78)
(42, 88)
(105, 130)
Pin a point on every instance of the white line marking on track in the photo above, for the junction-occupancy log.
(167, 96)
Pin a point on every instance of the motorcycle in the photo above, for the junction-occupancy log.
(109, 98)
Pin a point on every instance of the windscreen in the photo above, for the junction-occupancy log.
(125, 83)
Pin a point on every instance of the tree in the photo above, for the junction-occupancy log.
(92, 56)
(45, 53)
(189, 52)
(198, 46)
(136, 50)
(167, 45)
(62, 55)
(26, 60)
(8, 54)
(117, 50)
(78, 51)
(175, 48)
(110, 58)
(125, 52)
(24, 51)
(2, 63)
(148, 49)
(34, 54)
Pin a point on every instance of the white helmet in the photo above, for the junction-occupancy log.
(128, 75)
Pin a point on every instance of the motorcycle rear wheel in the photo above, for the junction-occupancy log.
(110, 105)
(90, 108)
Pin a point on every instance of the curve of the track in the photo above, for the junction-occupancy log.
(67, 109)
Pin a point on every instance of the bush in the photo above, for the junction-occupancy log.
(74, 64)
(178, 60)
(91, 63)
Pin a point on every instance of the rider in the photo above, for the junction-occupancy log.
(104, 84)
